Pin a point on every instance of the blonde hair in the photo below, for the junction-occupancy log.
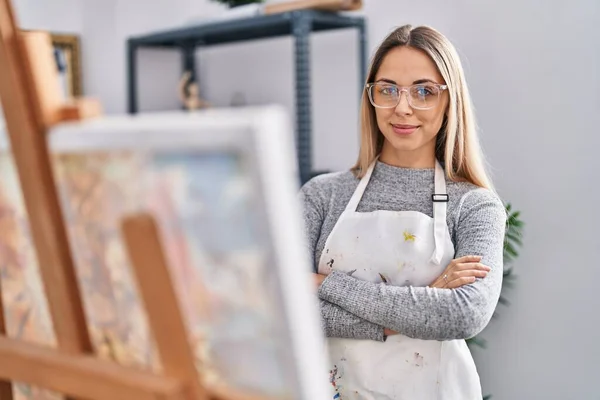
(457, 144)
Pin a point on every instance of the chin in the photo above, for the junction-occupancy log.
(404, 144)
(409, 144)
(404, 147)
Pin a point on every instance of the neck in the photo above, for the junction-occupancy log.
(421, 158)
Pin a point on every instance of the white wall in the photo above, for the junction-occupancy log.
(51, 15)
(102, 54)
(533, 67)
(540, 131)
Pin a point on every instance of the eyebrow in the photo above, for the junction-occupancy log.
(418, 81)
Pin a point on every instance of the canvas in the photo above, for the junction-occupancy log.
(222, 186)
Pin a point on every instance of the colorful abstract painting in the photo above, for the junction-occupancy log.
(217, 246)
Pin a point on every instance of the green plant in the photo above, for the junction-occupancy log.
(512, 244)
(235, 3)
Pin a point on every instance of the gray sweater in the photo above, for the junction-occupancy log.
(351, 308)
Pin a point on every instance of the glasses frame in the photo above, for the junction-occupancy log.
(406, 89)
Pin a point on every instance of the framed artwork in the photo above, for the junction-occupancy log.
(222, 186)
(67, 52)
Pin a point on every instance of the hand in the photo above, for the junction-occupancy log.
(319, 278)
(389, 332)
(461, 271)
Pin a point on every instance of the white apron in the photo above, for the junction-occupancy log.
(405, 248)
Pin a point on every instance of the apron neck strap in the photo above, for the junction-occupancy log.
(360, 189)
(440, 201)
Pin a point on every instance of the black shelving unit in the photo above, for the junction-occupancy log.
(299, 24)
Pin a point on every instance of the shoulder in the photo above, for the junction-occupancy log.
(477, 204)
(323, 187)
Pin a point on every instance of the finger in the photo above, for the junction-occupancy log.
(437, 284)
(469, 272)
(456, 283)
(442, 280)
(467, 259)
(471, 265)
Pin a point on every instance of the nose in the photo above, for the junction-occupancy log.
(403, 107)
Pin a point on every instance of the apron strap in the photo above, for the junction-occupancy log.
(360, 189)
(440, 201)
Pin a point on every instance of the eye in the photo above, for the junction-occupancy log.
(387, 90)
(425, 90)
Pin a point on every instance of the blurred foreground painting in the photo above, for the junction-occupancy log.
(216, 244)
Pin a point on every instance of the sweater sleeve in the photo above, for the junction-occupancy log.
(432, 313)
(339, 323)
(336, 321)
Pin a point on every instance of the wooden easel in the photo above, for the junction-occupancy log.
(30, 97)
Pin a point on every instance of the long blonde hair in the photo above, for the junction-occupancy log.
(457, 144)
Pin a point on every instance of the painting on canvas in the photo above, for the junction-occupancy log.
(222, 215)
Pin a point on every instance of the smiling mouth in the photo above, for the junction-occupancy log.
(403, 129)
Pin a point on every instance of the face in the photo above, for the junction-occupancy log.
(409, 132)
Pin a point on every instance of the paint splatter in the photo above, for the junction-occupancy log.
(351, 272)
(406, 265)
(330, 263)
(334, 375)
(401, 265)
(409, 237)
(383, 278)
(418, 360)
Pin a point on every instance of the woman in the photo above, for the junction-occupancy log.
(409, 243)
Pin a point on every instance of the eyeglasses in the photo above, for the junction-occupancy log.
(420, 97)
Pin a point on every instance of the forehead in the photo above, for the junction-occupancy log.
(405, 65)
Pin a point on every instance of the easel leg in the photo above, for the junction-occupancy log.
(161, 302)
(5, 386)
(28, 144)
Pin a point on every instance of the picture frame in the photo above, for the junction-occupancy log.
(67, 52)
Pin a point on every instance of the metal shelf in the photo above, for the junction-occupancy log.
(299, 24)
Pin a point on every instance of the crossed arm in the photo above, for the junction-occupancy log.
(351, 308)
